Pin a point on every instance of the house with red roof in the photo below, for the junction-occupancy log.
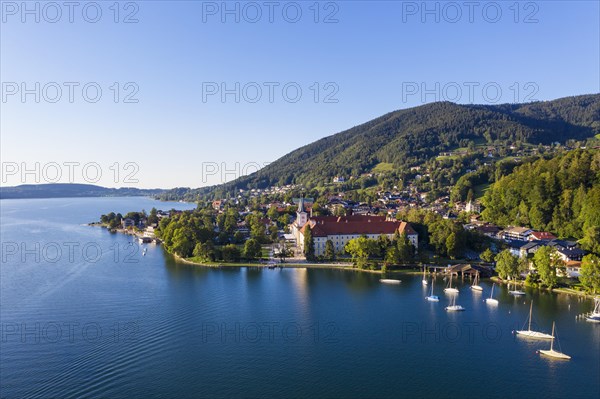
(541, 236)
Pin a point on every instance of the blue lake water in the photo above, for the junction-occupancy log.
(84, 314)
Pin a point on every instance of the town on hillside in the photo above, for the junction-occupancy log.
(524, 212)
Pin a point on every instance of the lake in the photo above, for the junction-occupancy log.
(84, 314)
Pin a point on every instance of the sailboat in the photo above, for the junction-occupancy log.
(389, 281)
(454, 307)
(551, 352)
(594, 317)
(491, 300)
(431, 297)
(530, 333)
(515, 292)
(424, 281)
(476, 286)
(449, 289)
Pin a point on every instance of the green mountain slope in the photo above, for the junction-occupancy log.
(410, 137)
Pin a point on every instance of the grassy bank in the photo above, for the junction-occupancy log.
(297, 265)
(559, 290)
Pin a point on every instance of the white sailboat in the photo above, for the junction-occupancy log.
(454, 307)
(449, 289)
(476, 286)
(431, 297)
(551, 352)
(491, 300)
(529, 333)
(424, 281)
(516, 291)
(389, 281)
(594, 317)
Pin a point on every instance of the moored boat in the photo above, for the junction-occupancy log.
(431, 297)
(516, 291)
(529, 333)
(491, 300)
(450, 289)
(476, 286)
(454, 307)
(551, 352)
(594, 316)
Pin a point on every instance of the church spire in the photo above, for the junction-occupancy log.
(301, 205)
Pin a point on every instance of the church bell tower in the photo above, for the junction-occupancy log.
(301, 215)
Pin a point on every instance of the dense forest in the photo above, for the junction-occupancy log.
(411, 137)
(560, 194)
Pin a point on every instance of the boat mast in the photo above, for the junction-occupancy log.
(552, 340)
(530, 310)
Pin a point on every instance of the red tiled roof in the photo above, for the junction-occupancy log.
(323, 226)
(406, 228)
(543, 235)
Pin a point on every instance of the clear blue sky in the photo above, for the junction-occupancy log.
(377, 57)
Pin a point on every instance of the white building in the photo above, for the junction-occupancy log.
(341, 229)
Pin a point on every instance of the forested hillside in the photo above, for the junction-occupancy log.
(561, 194)
(410, 137)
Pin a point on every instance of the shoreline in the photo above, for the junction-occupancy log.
(567, 291)
(333, 266)
(348, 267)
(292, 265)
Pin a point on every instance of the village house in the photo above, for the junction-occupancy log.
(541, 236)
(516, 247)
(488, 230)
(127, 222)
(516, 233)
(530, 248)
(573, 268)
(473, 206)
(570, 254)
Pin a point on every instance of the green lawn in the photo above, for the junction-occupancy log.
(383, 167)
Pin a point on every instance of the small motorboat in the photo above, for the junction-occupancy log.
(515, 292)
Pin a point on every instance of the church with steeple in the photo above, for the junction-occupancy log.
(301, 220)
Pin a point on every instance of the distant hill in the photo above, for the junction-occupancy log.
(71, 190)
(409, 137)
